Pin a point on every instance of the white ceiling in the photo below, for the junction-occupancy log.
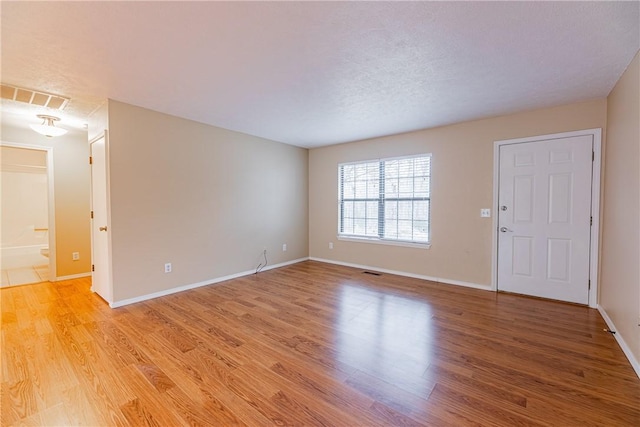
(317, 73)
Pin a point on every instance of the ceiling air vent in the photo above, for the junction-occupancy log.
(34, 97)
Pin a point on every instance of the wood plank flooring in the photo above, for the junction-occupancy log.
(309, 344)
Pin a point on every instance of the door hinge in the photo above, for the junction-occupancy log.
(591, 221)
(589, 284)
(593, 156)
(93, 267)
(90, 160)
(91, 214)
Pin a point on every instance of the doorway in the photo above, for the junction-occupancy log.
(27, 251)
(546, 193)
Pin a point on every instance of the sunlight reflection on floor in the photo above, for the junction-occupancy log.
(386, 335)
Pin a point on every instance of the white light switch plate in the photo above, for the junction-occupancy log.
(485, 213)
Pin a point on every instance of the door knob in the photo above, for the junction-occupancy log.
(103, 228)
(504, 229)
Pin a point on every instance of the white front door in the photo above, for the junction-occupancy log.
(101, 280)
(544, 218)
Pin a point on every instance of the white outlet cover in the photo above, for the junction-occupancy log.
(485, 213)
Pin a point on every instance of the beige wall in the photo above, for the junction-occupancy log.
(71, 192)
(206, 199)
(462, 184)
(619, 274)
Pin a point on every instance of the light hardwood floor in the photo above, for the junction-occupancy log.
(309, 344)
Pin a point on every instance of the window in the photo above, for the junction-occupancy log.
(386, 199)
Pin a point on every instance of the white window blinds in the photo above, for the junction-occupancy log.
(386, 199)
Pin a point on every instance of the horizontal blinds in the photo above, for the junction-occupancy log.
(386, 199)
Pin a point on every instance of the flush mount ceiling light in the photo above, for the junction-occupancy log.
(47, 128)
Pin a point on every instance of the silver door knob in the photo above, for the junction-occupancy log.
(103, 228)
(504, 229)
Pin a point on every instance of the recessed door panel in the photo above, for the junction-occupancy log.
(526, 158)
(560, 199)
(559, 260)
(560, 156)
(523, 189)
(522, 256)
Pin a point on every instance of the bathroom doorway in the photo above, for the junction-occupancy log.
(26, 224)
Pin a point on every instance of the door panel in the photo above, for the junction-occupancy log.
(101, 280)
(544, 218)
(560, 198)
(559, 259)
(523, 199)
(522, 256)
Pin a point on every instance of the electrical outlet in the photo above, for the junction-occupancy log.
(485, 213)
(167, 267)
(75, 256)
(284, 247)
(330, 245)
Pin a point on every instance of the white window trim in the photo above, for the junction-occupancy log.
(388, 242)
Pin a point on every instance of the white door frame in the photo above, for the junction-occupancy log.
(596, 135)
(50, 202)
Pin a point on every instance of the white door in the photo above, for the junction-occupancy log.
(544, 218)
(101, 280)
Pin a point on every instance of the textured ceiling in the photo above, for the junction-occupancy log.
(317, 73)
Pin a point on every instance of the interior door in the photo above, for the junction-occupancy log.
(544, 218)
(101, 280)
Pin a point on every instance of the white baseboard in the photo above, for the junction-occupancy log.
(621, 342)
(141, 298)
(70, 277)
(405, 274)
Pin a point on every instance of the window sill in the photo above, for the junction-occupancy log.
(385, 242)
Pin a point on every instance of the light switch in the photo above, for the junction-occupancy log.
(485, 213)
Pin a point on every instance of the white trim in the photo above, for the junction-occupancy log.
(51, 206)
(72, 276)
(166, 292)
(635, 364)
(596, 171)
(405, 274)
(596, 176)
(379, 241)
(380, 159)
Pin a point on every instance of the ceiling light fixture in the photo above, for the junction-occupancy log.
(47, 128)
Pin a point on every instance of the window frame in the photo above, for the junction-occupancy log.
(380, 200)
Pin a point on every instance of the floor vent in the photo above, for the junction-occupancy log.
(373, 273)
(33, 97)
